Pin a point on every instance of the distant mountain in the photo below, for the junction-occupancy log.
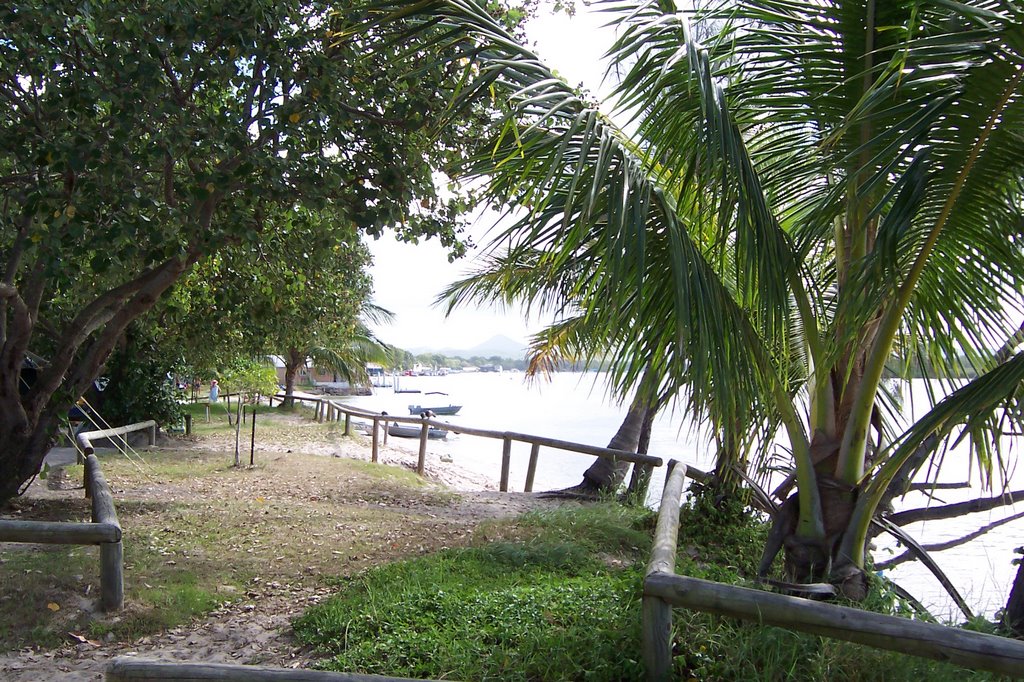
(499, 345)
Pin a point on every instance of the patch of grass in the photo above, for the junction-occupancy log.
(390, 474)
(606, 528)
(157, 608)
(36, 579)
(721, 536)
(711, 648)
(503, 611)
(545, 603)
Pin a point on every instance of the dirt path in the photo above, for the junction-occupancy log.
(379, 521)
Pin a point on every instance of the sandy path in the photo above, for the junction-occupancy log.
(256, 629)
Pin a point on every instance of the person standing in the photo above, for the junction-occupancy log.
(214, 391)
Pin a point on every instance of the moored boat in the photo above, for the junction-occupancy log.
(412, 431)
(446, 409)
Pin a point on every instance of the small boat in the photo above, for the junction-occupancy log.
(446, 410)
(411, 431)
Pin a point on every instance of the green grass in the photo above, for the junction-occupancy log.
(562, 602)
(177, 600)
(516, 612)
(38, 578)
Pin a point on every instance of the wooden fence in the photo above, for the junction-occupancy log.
(328, 410)
(664, 589)
(140, 670)
(104, 530)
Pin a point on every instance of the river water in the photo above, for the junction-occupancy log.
(575, 407)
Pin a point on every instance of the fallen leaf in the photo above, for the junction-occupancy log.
(53, 606)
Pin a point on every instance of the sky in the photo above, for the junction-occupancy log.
(407, 278)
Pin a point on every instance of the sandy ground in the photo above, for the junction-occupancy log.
(256, 629)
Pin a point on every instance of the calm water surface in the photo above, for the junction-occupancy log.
(574, 407)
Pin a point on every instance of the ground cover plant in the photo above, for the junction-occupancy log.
(556, 596)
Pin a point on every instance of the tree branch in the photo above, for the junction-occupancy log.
(99, 312)
(11, 270)
(1010, 345)
(950, 511)
(169, 197)
(928, 487)
(12, 353)
(949, 544)
(89, 366)
(179, 94)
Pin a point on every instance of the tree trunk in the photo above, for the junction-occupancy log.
(606, 475)
(291, 370)
(29, 418)
(1013, 615)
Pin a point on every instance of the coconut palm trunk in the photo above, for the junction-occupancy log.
(605, 475)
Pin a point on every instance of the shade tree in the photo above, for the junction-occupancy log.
(138, 138)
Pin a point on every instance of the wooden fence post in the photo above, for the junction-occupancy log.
(424, 434)
(111, 576)
(188, 424)
(506, 461)
(656, 613)
(207, 413)
(348, 424)
(252, 442)
(111, 553)
(531, 469)
(152, 435)
(374, 447)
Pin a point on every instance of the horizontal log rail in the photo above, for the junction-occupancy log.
(325, 409)
(58, 532)
(664, 589)
(85, 438)
(141, 670)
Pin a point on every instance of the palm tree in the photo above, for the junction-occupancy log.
(823, 190)
(345, 355)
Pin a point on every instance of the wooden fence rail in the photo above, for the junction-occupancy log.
(331, 411)
(85, 438)
(663, 589)
(140, 670)
(105, 531)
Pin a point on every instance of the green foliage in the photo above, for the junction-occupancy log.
(140, 386)
(304, 284)
(249, 377)
(727, 536)
(239, 115)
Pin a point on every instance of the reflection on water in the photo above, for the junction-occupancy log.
(574, 407)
